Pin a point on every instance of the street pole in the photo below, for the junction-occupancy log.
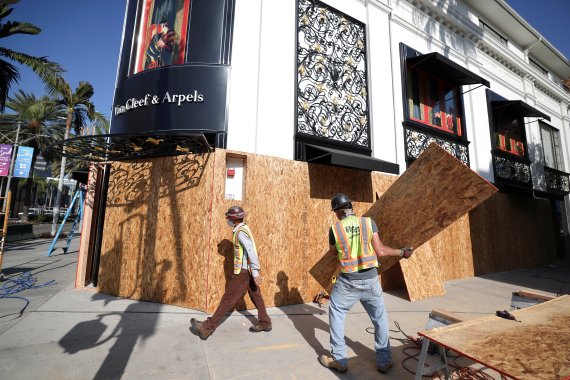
(12, 159)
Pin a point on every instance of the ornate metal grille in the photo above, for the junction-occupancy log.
(418, 141)
(557, 180)
(511, 170)
(332, 100)
(114, 147)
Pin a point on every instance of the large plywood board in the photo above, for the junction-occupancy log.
(537, 347)
(166, 239)
(433, 192)
(156, 235)
(495, 224)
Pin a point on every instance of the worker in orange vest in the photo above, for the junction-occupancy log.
(356, 242)
(246, 277)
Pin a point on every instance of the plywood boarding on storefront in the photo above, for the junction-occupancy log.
(166, 239)
(534, 348)
(510, 232)
(156, 237)
(87, 227)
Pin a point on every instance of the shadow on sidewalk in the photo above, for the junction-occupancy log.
(306, 321)
(138, 321)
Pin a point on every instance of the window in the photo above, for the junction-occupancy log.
(160, 34)
(551, 146)
(535, 64)
(509, 132)
(433, 101)
(493, 33)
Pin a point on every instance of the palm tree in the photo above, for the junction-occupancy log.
(9, 73)
(42, 125)
(79, 109)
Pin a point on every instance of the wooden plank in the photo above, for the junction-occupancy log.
(538, 347)
(447, 315)
(436, 190)
(430, 195)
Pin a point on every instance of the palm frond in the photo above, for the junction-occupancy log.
(45, 69)
(16, 27)
(8, 76)
(5, 11)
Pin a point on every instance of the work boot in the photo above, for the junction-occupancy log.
(198, 329)
(329, 362)
(385, 368)
(260, 327)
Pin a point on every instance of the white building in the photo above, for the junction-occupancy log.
(492, 79)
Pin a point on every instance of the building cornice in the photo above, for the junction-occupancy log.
(446, 14)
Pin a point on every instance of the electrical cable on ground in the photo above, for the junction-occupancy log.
(22, 282)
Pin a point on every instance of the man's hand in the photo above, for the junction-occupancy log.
(407, 252)
(258, 280)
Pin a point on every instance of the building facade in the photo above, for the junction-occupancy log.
(277, 105)
(384, 78)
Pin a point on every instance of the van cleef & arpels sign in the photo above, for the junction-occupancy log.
(149, 100)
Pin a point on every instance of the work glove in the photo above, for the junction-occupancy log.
(406, 252)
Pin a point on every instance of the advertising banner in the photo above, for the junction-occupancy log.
(5, 156)
(162, 34)
(23, 162)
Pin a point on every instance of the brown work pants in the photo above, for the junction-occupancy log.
(236, 289)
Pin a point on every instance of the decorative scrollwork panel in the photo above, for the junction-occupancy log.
(512, 170)
(332, 99)
(417, 142)
(556, 180)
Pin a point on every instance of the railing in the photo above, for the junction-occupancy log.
(557, 180)
(511, 168)
(417, 139)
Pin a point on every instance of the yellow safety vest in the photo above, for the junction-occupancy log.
(238, 248)
(353, 241)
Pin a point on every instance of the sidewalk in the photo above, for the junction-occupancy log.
(79, 334)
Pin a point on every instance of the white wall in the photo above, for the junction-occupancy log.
(262, 105)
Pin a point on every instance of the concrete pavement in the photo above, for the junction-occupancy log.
(66, 333)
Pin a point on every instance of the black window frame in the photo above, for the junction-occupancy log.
(496, 35)
(556, 148)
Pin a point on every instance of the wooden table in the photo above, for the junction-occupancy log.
(537, 347)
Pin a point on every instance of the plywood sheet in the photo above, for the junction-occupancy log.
(538, 347)
(427, 281)
(430, 195)
(496, 222)
(156, 235)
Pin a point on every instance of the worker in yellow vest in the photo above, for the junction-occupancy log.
(246, 277)
(356, 242)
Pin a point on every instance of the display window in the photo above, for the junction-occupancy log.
(161, 37)
(434, 102)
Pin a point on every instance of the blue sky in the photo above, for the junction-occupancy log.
(84, 37)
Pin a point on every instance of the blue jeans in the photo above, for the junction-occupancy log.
(344, 295)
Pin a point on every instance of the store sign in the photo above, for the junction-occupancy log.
(23, 162)
(150, 100)
(5, 156)
(172, 99)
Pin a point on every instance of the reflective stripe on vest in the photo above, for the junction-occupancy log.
(238, 248)
(353, 237)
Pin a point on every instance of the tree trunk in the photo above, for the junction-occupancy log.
(61, 177)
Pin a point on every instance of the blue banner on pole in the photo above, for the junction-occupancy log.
(23, 162)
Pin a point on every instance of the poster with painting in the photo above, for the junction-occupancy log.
(161, 38)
